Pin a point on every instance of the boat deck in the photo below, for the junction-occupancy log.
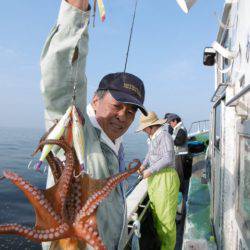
(197, 231)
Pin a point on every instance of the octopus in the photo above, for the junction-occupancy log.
(66, 211)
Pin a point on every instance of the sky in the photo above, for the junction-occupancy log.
(166, 53)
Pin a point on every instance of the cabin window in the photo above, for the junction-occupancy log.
(244, 183)
(217, 127)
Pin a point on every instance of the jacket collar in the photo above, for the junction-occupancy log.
(114, 146)
(157, 132)
(178, 126)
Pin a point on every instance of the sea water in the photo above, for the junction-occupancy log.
(16, 147)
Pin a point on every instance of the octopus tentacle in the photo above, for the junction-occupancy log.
(43, 138)
(35, 234)
(54, 162)
(95, 199)
(69, 165)
(56, 166)
(90, 234)
(36, 198)
(68, 209)
(74, 199)
(66, 177)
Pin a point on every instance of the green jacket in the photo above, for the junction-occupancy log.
(59, 71)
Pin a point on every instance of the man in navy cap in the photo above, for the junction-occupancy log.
(107, 117)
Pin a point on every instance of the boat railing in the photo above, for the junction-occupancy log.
(198, 127)
(137, 204)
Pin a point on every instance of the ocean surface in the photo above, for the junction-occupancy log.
(16, 147)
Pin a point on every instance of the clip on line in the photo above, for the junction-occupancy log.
(75, 79)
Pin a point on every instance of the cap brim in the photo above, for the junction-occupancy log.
(127, 99)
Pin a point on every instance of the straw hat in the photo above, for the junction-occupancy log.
(149, 120)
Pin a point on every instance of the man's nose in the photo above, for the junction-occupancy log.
(122, 114)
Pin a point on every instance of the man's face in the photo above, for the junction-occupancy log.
(147, 130)
(173, 123)
(114, 117)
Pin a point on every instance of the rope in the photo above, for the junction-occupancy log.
(130, 37)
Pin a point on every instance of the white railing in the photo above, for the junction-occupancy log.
(198, 127)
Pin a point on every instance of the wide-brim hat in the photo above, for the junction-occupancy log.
(149, 120)
(126, 88)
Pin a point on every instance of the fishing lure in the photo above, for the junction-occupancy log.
(101, 10)
(78, 137)
(55, 134)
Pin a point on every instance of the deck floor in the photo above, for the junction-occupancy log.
(197, 170)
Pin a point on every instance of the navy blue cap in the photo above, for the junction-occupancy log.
(126, 88)
(167, 115)
(170, 117)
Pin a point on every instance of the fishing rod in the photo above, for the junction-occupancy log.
(130, 36)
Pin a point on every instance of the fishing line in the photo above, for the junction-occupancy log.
(75, 78)
(130, 37)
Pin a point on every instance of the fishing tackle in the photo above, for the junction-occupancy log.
(29, 164)
(55, 134)
(78, 137)
(101, 10)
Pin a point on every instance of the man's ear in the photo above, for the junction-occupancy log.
(95, 102)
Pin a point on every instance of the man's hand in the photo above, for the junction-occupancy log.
(80, 4)
(146, 173)
(141, 169)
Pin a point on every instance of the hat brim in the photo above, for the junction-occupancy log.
(128, 99)
(145, 125)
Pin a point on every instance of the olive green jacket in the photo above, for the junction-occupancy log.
(67, 41)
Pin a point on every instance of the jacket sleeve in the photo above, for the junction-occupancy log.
(63, 63)
(180, 138)
(146, 160)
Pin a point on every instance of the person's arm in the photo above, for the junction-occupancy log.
(180, 138)
(80, 4)
(63, 61)
(144, 165)
(146, 160)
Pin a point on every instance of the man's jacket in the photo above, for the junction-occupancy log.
(180, 139)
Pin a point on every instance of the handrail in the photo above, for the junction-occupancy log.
(231, 103)
(199, 127)
(140, 218)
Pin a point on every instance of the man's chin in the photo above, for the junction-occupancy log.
(116, 134)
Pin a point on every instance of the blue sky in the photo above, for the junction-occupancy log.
(166, 53)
